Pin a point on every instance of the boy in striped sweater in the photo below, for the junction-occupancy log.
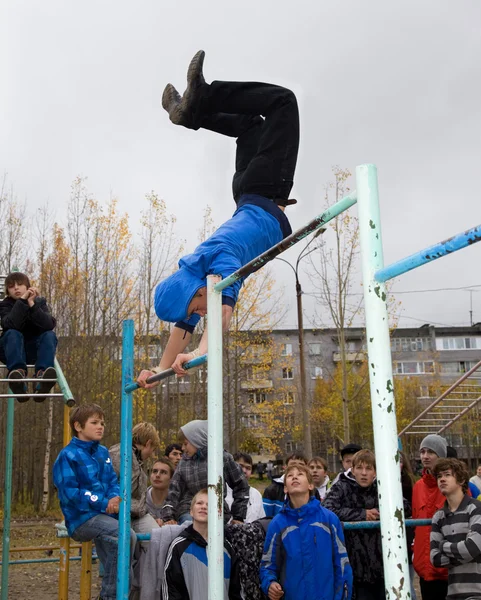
(456, 532)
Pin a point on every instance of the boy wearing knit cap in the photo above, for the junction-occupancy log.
(427, 499)
(191, 476)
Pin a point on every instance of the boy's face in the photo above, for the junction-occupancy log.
(188, 448)
(246, 467)
(347, 461)
(364, 474)
(175, 456)
(198, 304)
(296, 482)
(160, 476)
(199, 510)
(479, 471)
(318, 473)
(92, 431)
(16, 290)
(428, 458)
(447, 483)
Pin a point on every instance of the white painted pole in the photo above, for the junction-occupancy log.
(215, 464)
(396, 568)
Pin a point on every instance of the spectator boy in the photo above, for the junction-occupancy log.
(255, 509)
(145, 441)
(27, 336)
(427, 499)
(318, 467)
(476, 479)
(456, 531)
(347, 454)
(174, 453)
(88, 491)
(160, 476)
(304, 553)
(274, 494)
(191, 477)
(186, 567)
(355, 498)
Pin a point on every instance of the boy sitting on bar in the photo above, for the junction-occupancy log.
(265, 120)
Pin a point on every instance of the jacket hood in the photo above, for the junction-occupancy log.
(310, 506)
(173, 295)
(196, 433)
(191, 534)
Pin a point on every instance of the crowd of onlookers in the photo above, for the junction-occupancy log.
(288, 543)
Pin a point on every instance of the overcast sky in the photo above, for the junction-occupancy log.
(397, 85)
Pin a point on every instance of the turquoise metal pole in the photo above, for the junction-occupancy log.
(63, 385)
(215, 459)
(393, 533)
(7, 509)
(316, 223)
(123, 561)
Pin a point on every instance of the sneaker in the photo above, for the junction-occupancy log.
(44, 387)
(17, 385)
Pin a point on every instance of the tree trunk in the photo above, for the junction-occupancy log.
(46, 464)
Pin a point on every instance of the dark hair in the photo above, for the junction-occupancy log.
(407, 468)
(458, 468)
(171, 447)
(16, 277)
(365, 457)
(451, 452)
(299, 456)
(320, 460)
(247, 458)
(165, 461)
(81, 414)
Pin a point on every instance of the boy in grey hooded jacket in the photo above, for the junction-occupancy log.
(191, 476)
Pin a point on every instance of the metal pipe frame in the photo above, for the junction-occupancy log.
(461, 414)
(126, 415)
(443, 396)
(195, 362)
(393, 533)
(320, 221)
(215, 454)
(452, 244)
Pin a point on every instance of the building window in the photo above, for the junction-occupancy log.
(411, 344)
(257, 397)
(414, 368)
(287, 373)
(286, 350)
(289, 398)
(316, 372)
(250, 421)
(458, 343)
(456, 367)
(291, 446)
(315, 349)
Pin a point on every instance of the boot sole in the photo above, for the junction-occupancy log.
(17, 386)
(45, 388)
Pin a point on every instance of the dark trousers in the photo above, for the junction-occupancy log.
(265, 120)
(16, 351)
(369, 591)
(433, 590)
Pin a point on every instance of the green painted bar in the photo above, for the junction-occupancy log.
(7, 509)
(63, 385)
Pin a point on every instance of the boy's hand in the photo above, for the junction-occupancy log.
(142, 380)
(179, 361)
(372, 514)
(33, 294)
(171, 522)
(113, 505)
(275, 591)
(27, 294)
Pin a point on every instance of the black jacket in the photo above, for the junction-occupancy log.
(31, 321)
(186, 571)
(349, 501)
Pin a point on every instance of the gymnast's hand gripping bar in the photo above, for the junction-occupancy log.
(191, 364)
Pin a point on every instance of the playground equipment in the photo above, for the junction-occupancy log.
(64, 545)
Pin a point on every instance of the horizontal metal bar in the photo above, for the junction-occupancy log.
(35, 379)
(331, 213)
(2, 366)
(452, 244)
(39, 548)
(39, 560)
(417, 432)
(30, 395)
(195, 362)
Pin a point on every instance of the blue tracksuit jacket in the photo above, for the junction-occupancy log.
(85, 480)
(304, 551)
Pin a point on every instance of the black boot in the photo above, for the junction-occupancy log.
(17, 385)
(44, 387)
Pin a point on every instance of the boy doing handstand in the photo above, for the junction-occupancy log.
(265, 120)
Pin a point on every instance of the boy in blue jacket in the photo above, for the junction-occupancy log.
(88, 490)
(265, 120)
(304, 553)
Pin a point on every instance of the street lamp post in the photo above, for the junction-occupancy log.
(305, 404)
